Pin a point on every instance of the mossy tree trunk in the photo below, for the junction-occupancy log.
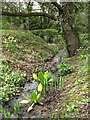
(70, 33)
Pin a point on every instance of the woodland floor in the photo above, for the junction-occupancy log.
(28, 56)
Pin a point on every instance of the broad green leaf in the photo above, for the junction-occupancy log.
(38, 81)
(51, 80)
(47, 75)
(35, 91)
(41, 77)
(34, 96)
(42, 71)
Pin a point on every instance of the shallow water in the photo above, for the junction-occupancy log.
(27, 90)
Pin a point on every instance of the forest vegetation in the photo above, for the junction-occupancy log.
(46, 49)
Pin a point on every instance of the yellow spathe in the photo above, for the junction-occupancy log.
(40, 87)
(24, 102)
(35, 76)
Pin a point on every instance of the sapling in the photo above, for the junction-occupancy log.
(61, 83)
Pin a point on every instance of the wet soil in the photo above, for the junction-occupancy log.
(58, 103)
(28, 89)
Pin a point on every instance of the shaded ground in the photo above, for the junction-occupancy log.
(28, 54)
(70, 101)
(28, 89)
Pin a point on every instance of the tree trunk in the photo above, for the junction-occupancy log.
(70, 34)
(72, 42)
(67, 11)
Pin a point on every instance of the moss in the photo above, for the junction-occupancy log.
(47, 34)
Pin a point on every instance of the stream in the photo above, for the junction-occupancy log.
(27, 90)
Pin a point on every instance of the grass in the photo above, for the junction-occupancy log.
(24, 57)
(68, 100)
(75, 92)
(28, 49)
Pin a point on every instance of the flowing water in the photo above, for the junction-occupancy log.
(27, 90)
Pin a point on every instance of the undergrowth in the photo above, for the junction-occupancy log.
(11, 82)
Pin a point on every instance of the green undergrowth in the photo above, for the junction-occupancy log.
(22, 52)
(48, 35)
(76, 88)
(27, 50)
(4, 30)
(11, 82)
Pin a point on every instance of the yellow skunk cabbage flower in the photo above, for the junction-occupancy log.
(14, 40)
(35, 76)
(24, 102)
(38, 96)
(30, 108)
(40, 87)
(45, 74)
(12, 37)
(5, 41)
(9, 38)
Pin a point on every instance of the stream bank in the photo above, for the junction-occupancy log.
(71, 101)
(28, 89)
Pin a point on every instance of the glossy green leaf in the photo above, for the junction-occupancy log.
(34, 96)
